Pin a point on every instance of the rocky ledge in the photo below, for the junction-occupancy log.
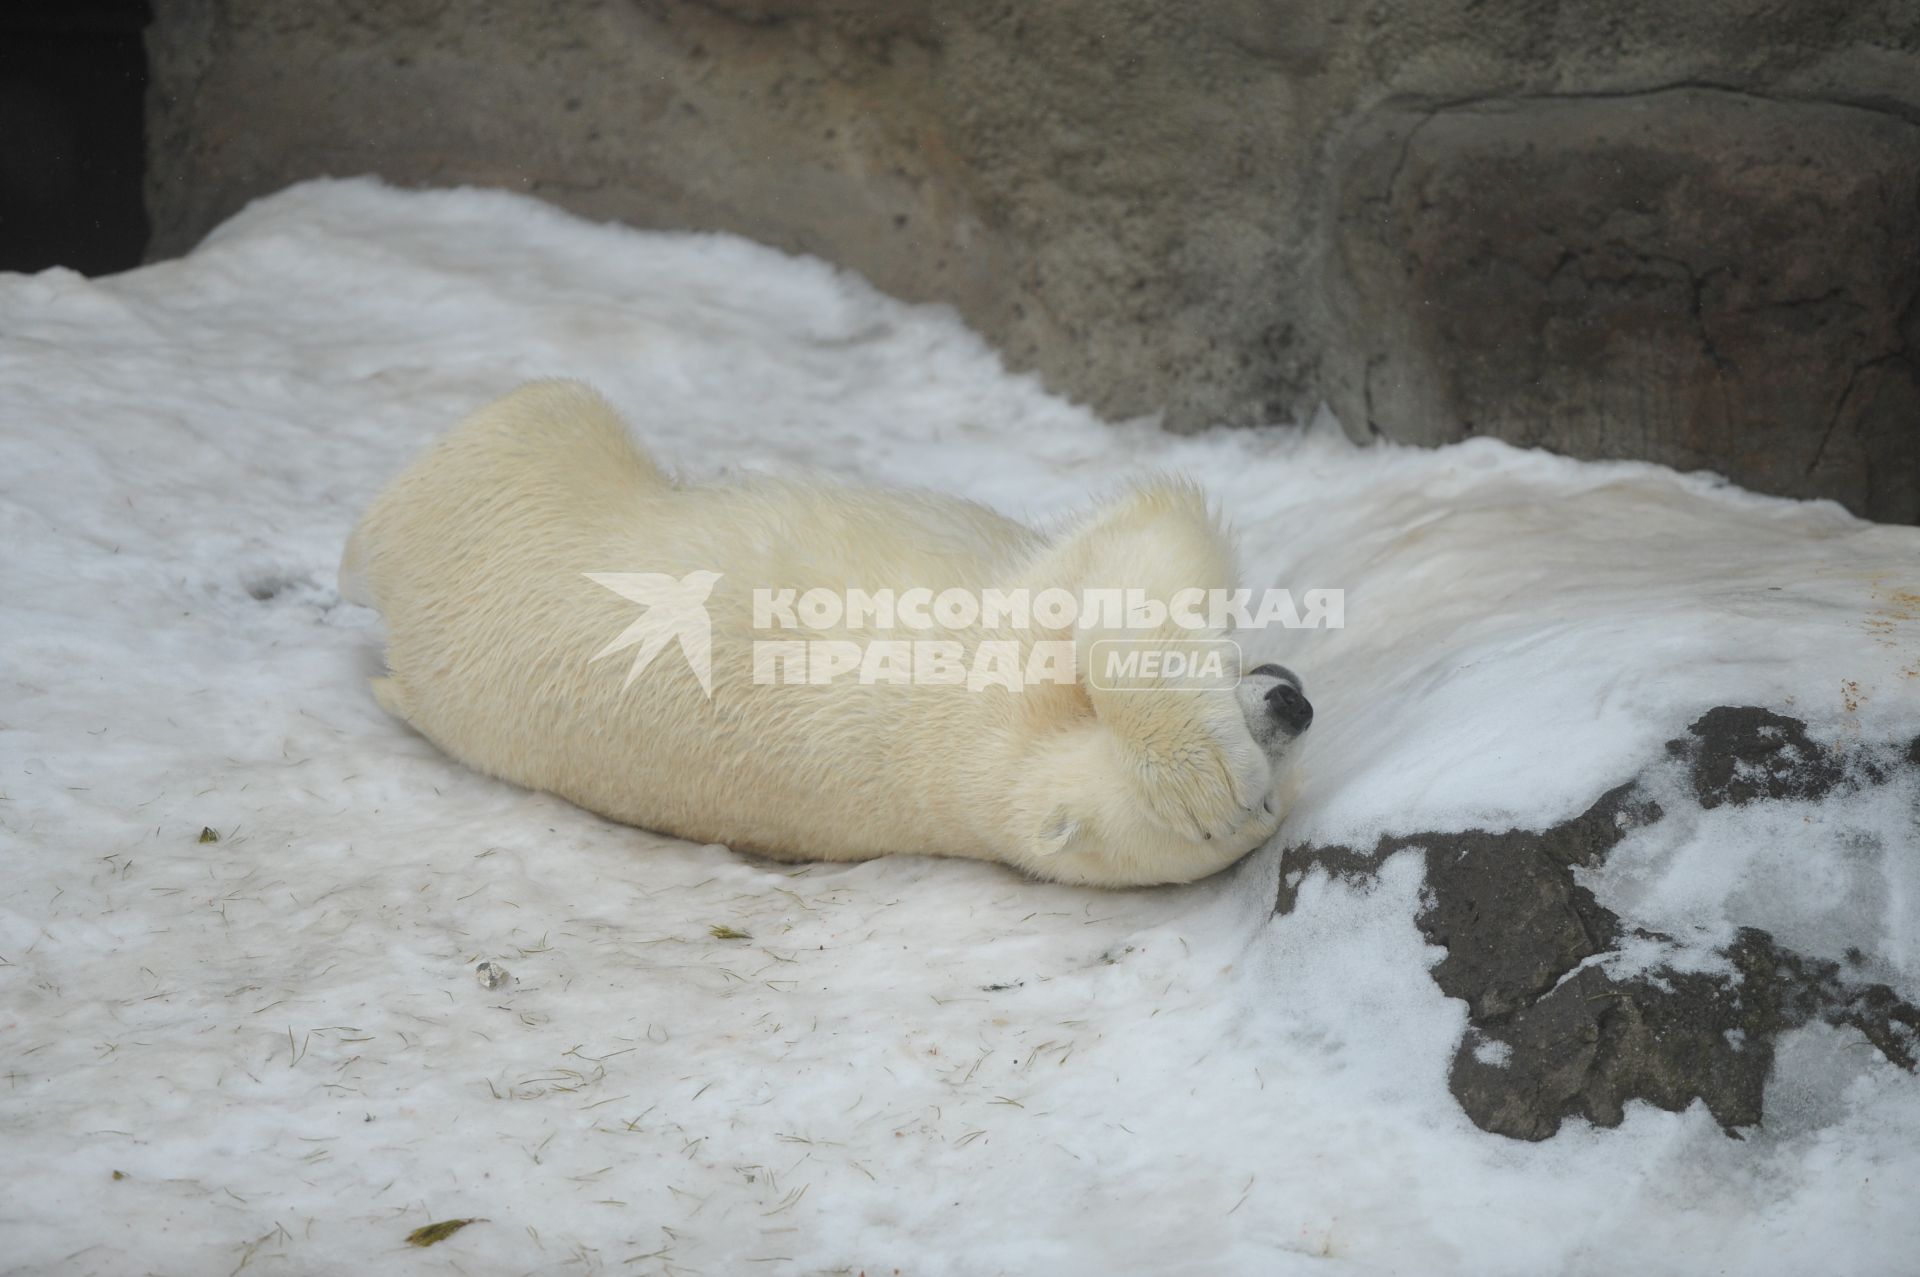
(1572, 1012)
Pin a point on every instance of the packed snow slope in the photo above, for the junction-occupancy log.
(269, 1054)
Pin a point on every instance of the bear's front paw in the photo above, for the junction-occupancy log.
(1261, 825)
(1206, 780)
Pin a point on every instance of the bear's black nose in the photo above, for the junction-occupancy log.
(1291, 708)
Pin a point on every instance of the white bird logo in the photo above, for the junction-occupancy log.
(675, 609)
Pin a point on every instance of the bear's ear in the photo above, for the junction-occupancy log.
(1157, 540)
(1058, 833)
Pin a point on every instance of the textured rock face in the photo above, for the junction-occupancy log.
(1227, 210)
(1736, 280)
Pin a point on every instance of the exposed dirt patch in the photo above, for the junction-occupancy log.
(1561, 1022)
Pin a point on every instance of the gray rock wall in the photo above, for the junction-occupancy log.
(1685, 232)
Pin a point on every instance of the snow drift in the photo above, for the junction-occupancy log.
(265, 1046)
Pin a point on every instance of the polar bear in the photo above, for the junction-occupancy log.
(507, 561)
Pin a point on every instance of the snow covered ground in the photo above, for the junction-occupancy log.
(913, 1066)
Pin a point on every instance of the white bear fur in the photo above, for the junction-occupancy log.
(477, 559)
